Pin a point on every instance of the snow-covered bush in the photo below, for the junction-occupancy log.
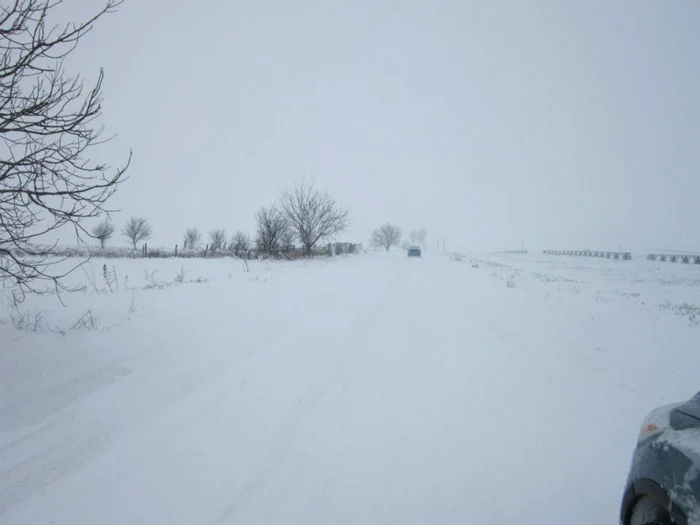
(512, 280)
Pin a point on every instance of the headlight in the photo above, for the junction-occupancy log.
(656, 422)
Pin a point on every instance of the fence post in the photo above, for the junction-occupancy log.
(206, 249)
(176, 250)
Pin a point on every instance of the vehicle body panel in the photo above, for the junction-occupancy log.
(666, 464)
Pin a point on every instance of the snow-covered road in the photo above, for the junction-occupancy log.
(371, 389)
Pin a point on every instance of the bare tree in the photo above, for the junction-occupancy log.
(47, 127)
(191, 238)
(217, 240)
(386, 236)
(421, 236)
(136, 230)
(313, 215)
(240, 243)
(271, 225)
(103, 231)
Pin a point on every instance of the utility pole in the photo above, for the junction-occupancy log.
(443, 245)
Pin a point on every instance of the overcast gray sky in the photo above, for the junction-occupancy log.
(560, 123)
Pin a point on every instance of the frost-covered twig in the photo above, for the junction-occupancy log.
(87, 322)
(91, 277)
(28, 321)
(134, 306)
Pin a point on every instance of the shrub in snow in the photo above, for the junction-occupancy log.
(512, 280)
(158, 253)
(110, 278)
(88, 322)
(134, 305)
(27, 321)
(180, 277)
(691, 311)
(152, 280)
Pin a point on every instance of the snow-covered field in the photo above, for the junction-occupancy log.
(363, 389)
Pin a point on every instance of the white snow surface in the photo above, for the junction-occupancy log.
(371, 389)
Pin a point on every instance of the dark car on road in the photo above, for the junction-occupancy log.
(414, 251)
(663, 486)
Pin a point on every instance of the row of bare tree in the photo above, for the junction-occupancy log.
(238, 245)
(302, 214)
(136, 229)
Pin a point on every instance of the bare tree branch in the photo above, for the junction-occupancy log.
(47, 127)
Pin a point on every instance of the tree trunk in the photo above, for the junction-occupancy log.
(102, 244)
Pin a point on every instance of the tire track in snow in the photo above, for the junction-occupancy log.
(276, 458)
(79, 442)
(29, 477)
(47, 402)
(314, 415)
